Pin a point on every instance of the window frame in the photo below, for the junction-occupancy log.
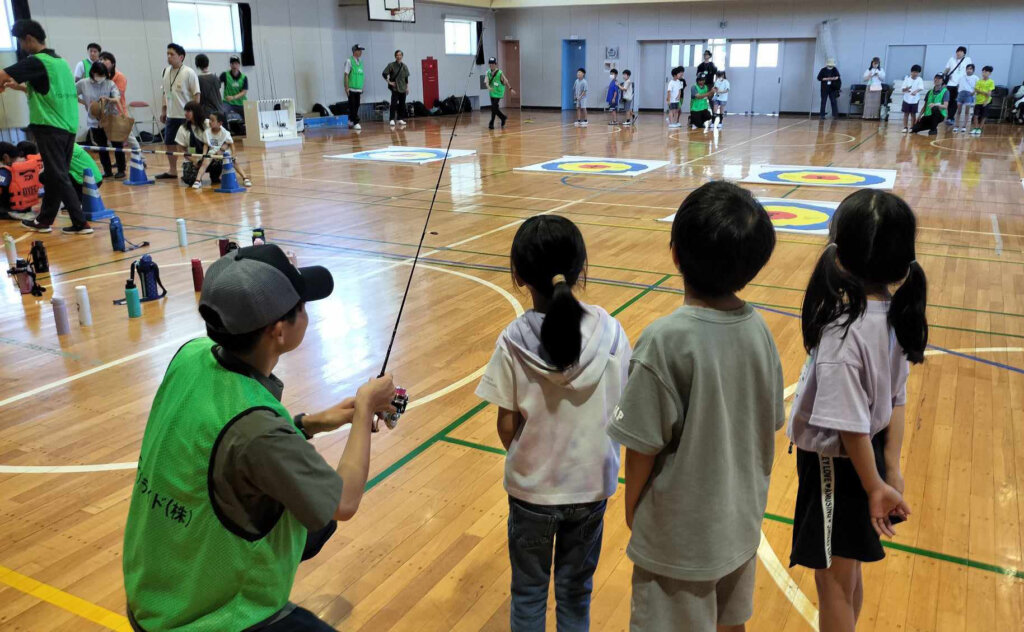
(474, 44)
(236, 26)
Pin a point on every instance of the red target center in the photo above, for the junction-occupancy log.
(592, 166)
(781, 215)
(815, 176)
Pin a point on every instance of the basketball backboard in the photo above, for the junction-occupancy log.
(391, 10)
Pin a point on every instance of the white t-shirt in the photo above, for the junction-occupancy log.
(217, 141)
(874, 77)
(675, 91)
(967, 83)
(180, 86)
(959, 73)
(627, 90)
(561, 454)
(849, 384)
(722, 84)
(916, 88)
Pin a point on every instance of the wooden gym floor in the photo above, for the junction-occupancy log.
(427, 550)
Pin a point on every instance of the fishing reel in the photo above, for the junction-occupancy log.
(399, 402)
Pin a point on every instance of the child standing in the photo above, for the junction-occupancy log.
(674, 96)
(700, 108)
(721, 97)
(614, 96)
(579, 95)
(218, 139)
(913, 86)
(847, 419)
(983, 96)
(698, 418)
(555, 376)
(965, 100)
(628, 88)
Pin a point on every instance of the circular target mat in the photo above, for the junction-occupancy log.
(799, 216)
(400, 155)
(833, 177)
(594, 166)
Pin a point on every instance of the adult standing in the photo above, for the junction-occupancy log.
(707, 69)
(53, 120)
(236, 87)
(956, 70)
(108, 60)
(93, 51)
(831, 83)
(354, 84)
(99, 95)
(180, 85)
(209, 87)
(497, 82)
(874, 76)
(397, 75)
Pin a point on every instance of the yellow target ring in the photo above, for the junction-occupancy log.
(820, 177)
(790, 216)
(594, 166)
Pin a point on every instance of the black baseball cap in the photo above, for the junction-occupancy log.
(356, 47)
(492, 61)
(253, 287)
(234, 58)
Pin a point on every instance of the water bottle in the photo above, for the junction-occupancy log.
(60, 316)
(117, 234)
(10, 249)
(84, 311)
(39, 259)
(131, 297)
(259, 236)
(182, 234)
(222, 245)
(197, 275)
(22, 276)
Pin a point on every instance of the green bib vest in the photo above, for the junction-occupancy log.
(87, 65)
(80, 161)
(184, 570)
(496, 85)
(699, 105)
(232, 87)
(355, 75)
(934, 100)
(58, 107)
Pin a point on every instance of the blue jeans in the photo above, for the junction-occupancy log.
(574, 533)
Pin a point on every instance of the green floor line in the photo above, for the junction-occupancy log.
(913, 550)
(639, 296)
(872, 135)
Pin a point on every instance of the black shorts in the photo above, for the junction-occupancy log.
(980, 111)
(832, 517)
(910, 108)
(171, 129)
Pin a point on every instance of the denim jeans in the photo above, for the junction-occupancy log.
(573, 533)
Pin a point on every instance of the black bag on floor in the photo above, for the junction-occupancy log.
(339, 108)
(189, 171)
(418, 109)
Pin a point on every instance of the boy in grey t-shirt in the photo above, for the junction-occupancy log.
(579, 96)
(698, 418)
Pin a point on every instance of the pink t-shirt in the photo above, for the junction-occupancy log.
(849, 384)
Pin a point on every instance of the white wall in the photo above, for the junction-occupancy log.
(301, 44)
(865, 28)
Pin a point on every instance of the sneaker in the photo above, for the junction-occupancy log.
(391, 123)
(627, 123)
(119, 175)
(905, 130)
(197, 185)
(84, 229)
(949, 121)
(583, 124)
(165, 176)
(719, 126)
(357, 126)
(675, 125)
(707, 124)
(933, 132)
(490, 126)
(575, 123)
(977, 131)
(401, 122)
(613, 123)
(32, 224)
(247, 182)
(692, 126)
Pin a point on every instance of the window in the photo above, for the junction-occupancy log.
(675, 56)
(6, 41)
(686, 56)
(767, 54)
(717, 48)
(459, 37)
(206, 26)
(739, 55)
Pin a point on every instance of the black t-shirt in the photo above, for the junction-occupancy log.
(829, 72)
(32, 71)
(708, 69)
(209, 93)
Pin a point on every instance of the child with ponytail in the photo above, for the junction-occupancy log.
(556, 374)
(847, 420)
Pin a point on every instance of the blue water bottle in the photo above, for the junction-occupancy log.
(131, 298)
(116, 234)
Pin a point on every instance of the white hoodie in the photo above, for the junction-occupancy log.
(561, 453)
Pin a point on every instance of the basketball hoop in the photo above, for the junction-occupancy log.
(402, 14)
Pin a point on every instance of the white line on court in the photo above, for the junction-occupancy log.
(789, 587)
(25, 236)
(995, 233)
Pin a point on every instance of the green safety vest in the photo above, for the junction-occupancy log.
(496, 85)
(355, 75)
(933, 99)
(80, 161)
(58, 107)
(699, 105)
(232, 87)
(183, 569)
(87, 65)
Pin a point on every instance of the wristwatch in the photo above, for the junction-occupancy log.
(297, 420)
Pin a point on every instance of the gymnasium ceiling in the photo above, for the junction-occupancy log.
(522, 4)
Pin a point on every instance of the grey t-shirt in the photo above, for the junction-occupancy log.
(579, 89)
(262, 467)
(704, 395)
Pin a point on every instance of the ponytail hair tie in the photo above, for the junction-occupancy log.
(558, 278)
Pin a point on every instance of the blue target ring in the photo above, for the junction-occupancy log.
(412, 155)
(848, 178)
(574, 166)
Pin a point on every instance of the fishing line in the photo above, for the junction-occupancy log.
(430, 209)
